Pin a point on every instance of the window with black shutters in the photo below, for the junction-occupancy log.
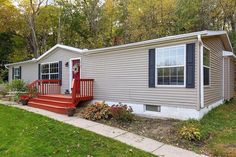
(170, 65)
(206, 66)
(16, 73)
(50, 71)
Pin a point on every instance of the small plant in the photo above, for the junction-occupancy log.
(96, 111)
(121, 112)
(190, 132)
(32, 91)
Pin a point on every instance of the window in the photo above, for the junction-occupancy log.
(50, 71)
(170, 65)
(206, 66)
(16, 73)
(153, 108)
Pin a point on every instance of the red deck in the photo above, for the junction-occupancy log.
(48, 98)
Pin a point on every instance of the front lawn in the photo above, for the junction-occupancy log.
(25, 134)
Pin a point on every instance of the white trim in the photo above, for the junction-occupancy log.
(205, 33)
(18, 73)
(49, 62)
(184, 65)
(167, 111)
(76, 50)
(49, 74)
(209, 67)
(201, 72)
(70, 71)
(228, 54)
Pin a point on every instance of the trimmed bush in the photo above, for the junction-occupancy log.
(121, 112)
(96, 111)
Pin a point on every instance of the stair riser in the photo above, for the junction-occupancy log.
(61, 111)
(51, 103)
(69, 100)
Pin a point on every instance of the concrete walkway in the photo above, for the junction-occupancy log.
(143, 143)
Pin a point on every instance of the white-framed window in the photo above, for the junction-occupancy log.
(206, 66)
(50, 71)
(16, 74)
(170, 66)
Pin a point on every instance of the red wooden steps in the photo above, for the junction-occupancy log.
(55, 103)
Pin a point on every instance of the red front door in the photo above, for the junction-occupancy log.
(76, 73)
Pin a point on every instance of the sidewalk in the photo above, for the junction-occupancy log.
(143, 143)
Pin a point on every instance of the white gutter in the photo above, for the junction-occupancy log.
(228, 54)
(201, 73)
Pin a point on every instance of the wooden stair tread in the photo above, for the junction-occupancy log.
(47, 105)
(50, 100)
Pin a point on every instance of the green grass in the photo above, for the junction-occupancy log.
(219, 126)
(24, 134)
(220, 123)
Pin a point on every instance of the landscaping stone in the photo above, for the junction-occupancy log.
(5, 99)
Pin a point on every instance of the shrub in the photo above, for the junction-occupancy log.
(121, 112)
(190, 132)
(17, 85)
(96, 111)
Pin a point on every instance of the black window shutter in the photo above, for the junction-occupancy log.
(39, 71)
(190, 65)
(13, 73)
(151, 68)
(60, 72)
(19, 72)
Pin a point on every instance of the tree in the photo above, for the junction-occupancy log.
(30, 11)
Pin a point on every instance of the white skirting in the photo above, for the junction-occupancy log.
(169, 112)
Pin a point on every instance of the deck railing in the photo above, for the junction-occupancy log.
(44, 87)
(82, 91)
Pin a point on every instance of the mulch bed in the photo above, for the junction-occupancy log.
(163, 130)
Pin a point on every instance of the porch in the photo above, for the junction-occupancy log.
(49, 97)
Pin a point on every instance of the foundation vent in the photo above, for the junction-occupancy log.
(153, 108)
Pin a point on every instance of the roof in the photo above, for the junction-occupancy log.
(76, 50)
(223, 35)
(206, 33)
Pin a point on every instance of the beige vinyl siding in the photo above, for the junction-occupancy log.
(229, 75)
(64, 56)
(214, 92)
(232, 76)
(226, 78)
(29, 72)
(10, 74)
(122, 76)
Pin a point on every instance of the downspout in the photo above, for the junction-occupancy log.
(223, 78)
(201, 73)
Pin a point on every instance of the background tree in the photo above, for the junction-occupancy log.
(30, 27)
